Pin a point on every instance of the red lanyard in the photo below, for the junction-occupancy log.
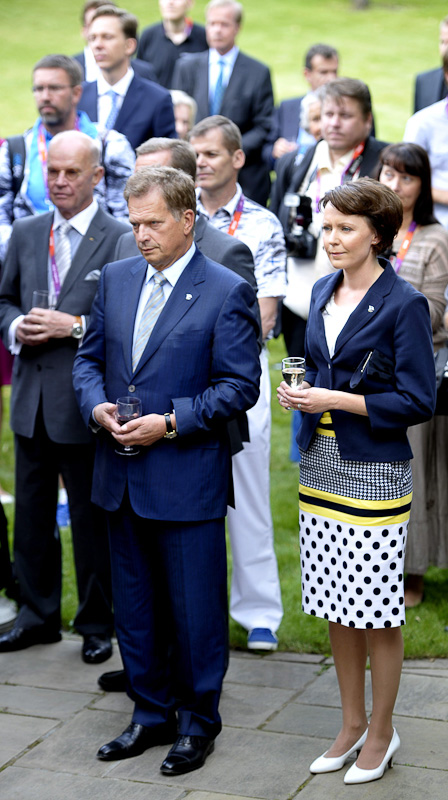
(236, 217)
(349, 172)
(404, 246)
(54, 266)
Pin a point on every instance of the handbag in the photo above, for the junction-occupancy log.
(441, 364)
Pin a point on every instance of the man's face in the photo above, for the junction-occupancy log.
(221, 28)
(160, 237)
(343, 124)
(216, 167)
(174, 10)
(322, 71)
(71, 176)
(109, 44)
(161, 158)
(443, 40)
(55, 98)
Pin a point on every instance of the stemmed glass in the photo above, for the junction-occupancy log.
(127, 408)
(293, 371)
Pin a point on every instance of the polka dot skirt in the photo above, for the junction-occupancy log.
(352, 547)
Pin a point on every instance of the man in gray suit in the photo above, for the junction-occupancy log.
(61, 252)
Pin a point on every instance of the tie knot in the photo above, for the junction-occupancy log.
(64, 228)
(159, 279)
(112, 94)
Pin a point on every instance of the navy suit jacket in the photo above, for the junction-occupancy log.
(398, 380)
(147, 110)
(201, 360)
(430, 87)
(248, 101)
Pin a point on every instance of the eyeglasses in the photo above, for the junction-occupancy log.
(70, 174)
(53, 88)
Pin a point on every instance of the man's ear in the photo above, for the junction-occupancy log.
(238, 159)
(131, 46)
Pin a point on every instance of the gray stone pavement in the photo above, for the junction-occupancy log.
(279, 711)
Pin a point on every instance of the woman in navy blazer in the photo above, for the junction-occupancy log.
(370, 374)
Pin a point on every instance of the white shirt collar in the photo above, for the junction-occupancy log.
(80, 222)
(230, 207)
(173, 273)
(120, 87)
(230, 57)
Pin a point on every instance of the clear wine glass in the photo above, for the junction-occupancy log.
(293, 371)
(127, 408)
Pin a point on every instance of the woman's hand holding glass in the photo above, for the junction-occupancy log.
(306, 398)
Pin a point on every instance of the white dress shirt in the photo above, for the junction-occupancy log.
(105, 101)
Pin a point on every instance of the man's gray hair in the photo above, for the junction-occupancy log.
(175, 186)
(237, 8)
(182, 153)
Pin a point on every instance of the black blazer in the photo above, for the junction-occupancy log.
(142, 68)
(147, 110)
(430, 87)
(248, 101)
(398, 380)
(290, 177)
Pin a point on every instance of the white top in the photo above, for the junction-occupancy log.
(214, 68)
(335, 318)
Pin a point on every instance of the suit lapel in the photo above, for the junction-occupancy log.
(180, 302)
(233, 84)
(130, 296)
(41, 253)
(201, 88)
(94, 237)
(131, 103)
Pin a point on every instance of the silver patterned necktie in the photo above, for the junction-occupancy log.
(151, 313)
(113, 113)
(63, 250)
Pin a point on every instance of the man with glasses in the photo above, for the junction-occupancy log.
(61, 252)
(23, 159)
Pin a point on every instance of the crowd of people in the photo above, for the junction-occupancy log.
(160, 221)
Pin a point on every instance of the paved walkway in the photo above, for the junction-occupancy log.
(279, 711)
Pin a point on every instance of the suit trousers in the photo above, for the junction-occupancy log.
(255, 597)
(37, 547)
(170, 597)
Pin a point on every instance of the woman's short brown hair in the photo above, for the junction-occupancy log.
(370, 199)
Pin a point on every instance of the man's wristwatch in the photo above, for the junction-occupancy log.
(170, 432)
(77, 331)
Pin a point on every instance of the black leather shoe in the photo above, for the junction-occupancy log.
(20, 638)
(113, 681)
(188, 753)
(96, 649)
(135, 740)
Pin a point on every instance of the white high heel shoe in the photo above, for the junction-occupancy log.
(357, 775)
(323, 764)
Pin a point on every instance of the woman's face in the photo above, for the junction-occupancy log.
(314, 120)
(347, 239)
(406, 187)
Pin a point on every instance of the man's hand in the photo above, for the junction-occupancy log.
(104, 415)
(143, 431)
(42, 324)
(282, 146)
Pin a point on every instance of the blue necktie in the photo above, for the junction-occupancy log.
(215, 105)
(151, 312)
(113, 113)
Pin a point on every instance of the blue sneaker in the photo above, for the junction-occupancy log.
(63, 515)
(262, 639)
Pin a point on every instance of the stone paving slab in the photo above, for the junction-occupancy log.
(325, 691)
(276, 674)
(304, 720)
(427, 663)
(423, 696)
(18, 732)
(26, 784)
(54, 666)
(42, 702)
(214, 796)
(399, 783)
(301, 658)
(245, 763)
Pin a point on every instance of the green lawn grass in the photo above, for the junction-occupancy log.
(385, 46)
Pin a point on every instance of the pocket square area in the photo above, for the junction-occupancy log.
(93, 276)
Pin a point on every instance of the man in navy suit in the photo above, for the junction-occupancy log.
(225, 81)
(188, 349)
(430, 86)
(120, 98)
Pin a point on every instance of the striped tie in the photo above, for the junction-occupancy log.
(151, 312)
(63, 251)
(113, 113)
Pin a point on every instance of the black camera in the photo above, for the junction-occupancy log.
(300, 241)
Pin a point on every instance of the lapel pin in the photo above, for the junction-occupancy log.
(370, 309)
(188, 296)
(91, 239)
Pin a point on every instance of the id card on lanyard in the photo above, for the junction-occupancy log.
(236, 216)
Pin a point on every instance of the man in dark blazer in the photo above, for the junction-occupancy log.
(120, 98)
(430, 86)
(50, 436)
(225, 81)
(193, 362)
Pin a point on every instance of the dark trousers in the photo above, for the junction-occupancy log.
(37, 547)
(171, 618)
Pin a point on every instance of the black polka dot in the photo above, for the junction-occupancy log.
(326, 524)
(395, 611)
(376, 545)
(385, 578)
(385, 532)
(360, 614)
(320, 581)
(367, 534)
(314, 521)
(351, 601)
(368, 603)
(378, 614)
(387, 623)
(359, 545)
(367, 579)
(384, 556)
(369, 624)
(392, 565)
(367, 557)
(320, 535)
(376, 568)
(359, 590)
(345, 542)
(393, 543)
(320, 558)
(351, 624)
(358, 568)
(376, 591)
(313, 568)
(351, 578)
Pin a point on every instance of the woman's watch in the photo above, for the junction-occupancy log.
(170, 432)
